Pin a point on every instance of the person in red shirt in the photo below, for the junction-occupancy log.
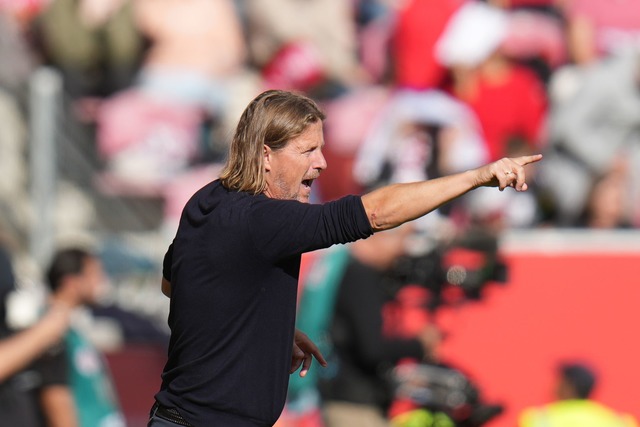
(509, 100)
(418, 25)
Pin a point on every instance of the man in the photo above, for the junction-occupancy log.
(232, 269)
(357, 394)
(581, 150)
(20, 378)
(81, 394)
(573, 406)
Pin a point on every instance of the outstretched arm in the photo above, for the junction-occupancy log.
(390, 206)
(19, 350)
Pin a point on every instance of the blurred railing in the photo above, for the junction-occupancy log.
(45, 95)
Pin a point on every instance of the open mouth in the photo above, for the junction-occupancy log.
(307, 182)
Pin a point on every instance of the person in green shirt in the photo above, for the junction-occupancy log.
(573, 406)
(88, 398)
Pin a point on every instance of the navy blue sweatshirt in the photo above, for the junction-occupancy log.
(233, 268)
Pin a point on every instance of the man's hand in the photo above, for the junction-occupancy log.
(166, 287)
(507, 172)
(304, 350)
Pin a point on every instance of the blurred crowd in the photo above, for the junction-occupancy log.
(413, 89)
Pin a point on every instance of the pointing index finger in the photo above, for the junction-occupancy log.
(525, 160)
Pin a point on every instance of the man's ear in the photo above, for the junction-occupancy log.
(266, 152)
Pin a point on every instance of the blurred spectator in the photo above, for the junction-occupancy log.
(146, 141)
(21, 380)
(599, 28)
(94, 43)
(594, 124)
(152, 132)
(327, 25)
(607, 202)
(536, 35)
(573, 405)
(296, 66)
(196, 47)
(419, 135)
(418, 26)
(508, 99)
(83, 394)
(357, 392)
(375, 20)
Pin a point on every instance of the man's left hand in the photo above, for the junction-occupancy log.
(304, 350)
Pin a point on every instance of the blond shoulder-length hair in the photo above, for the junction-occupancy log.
(273, 118)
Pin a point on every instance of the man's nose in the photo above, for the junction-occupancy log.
(319, 161)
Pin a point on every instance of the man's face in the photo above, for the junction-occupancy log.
(92, 281)
(291, 171)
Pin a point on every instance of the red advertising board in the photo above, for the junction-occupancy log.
(569, 296)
